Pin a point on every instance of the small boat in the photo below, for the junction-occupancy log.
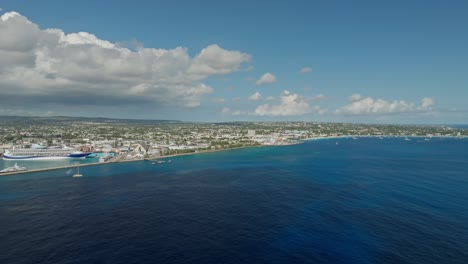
(169, 161)
(14, 168)
(407, 139)
(77, 174)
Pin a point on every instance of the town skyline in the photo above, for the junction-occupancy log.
(382, 63)
(137, 139)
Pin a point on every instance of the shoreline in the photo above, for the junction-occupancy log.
(200, 152)
(220, 150)
(120, 161)
(383, 136)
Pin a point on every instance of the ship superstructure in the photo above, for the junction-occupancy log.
(43, 154)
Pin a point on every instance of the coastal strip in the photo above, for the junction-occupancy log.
(217, 150)
(121, 161)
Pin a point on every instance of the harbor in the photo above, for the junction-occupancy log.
(95, 163)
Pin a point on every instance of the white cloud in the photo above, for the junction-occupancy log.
(236, 99)
(305, 70)
(218, 100)
(291, 105)
(427, 103)
(322, 111)
(228, 112)
(214, 60)
(354, 97)
(255, 97)
(266, 79)
(367, 105)
(47, 65)
(319, 97)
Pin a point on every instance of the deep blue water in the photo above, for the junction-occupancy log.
(358, 201)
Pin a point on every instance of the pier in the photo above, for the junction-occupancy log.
(65, 167)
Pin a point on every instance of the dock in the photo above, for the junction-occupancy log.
(66, 167)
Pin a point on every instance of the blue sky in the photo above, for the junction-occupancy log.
(362, 61)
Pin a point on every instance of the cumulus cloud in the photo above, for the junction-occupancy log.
(319, 97)
(255, 97)
(305, 70)
(229, 112)
(47, 64)
(366, 105)
(214, 60)
(266, 79)
(226, 111)
(291, 105)
(427, 103)
(355, 97)
(218, 100)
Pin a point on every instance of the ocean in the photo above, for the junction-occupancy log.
(368, 200)
(34, 164)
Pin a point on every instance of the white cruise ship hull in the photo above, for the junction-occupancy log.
(43, 155)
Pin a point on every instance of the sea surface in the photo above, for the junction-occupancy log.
(367, 200)
(35, 164)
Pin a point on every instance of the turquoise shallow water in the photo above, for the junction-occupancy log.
(42, 164)
(358, 201)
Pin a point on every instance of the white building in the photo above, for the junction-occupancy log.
(251, 133)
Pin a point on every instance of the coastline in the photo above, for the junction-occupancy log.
(201, 152)
(220, 150)
(121, 161)
(383, 136)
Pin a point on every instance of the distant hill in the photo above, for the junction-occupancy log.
(36, 120)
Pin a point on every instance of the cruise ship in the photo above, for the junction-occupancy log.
(43, 154)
